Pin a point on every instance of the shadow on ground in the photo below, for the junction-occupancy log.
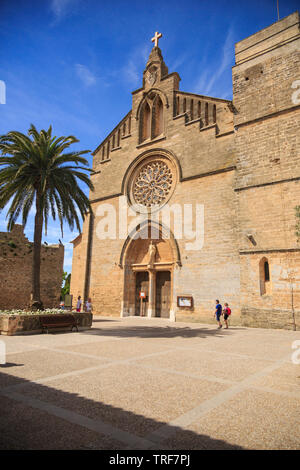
(35, 416)
(148, 332)
(144, 331)
(97, 319)
(10, 364)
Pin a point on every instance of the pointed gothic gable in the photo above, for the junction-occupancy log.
(159, 112)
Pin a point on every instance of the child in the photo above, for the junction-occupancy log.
(226, 312)
(88, 305)
(78, 305)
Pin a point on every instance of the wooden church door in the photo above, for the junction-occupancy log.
(163, 294)
(141, 285)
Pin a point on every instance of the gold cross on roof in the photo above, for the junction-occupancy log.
(155, 39)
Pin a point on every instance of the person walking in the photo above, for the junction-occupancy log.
(226, 312)
(78, 305)
(218, 313)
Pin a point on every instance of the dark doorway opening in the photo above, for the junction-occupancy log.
(163, 294)
(141, 285)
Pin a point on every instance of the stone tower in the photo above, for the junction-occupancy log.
(267, 146)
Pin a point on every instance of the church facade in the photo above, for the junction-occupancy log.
(195, 196)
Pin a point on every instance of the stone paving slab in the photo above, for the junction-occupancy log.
(150, 384)
(286, 378)
(245, 347)
(33, 365)
(35, 429)
(201, 363)
(57, 339)
(122, 349)
(148, 405)
(253, 420)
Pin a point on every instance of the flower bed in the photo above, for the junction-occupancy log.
(47, 311)
(17, 322)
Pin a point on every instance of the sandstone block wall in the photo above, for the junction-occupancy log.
(16, 270)
(207, 274)
(267, 145)
(240, 160)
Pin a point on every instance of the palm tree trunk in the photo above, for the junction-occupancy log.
(36, 303)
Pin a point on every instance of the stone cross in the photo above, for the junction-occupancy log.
(157, 36)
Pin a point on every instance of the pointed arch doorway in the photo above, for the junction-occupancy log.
(148, 276)
(160, 305)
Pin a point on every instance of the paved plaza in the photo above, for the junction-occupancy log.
(136, 383)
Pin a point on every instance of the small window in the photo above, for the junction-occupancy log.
(199, 109)
(214, 114)
(264, 277)
(129, 125)
(192, 109)
(267, 271)
(157, 117)
(145, 122)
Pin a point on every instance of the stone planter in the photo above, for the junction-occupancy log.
(30, 324)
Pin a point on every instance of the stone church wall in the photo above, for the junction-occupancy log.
(206, 274)
(79, 264)
(267, 144)
(106, 277)
(212, 272)
(240, 160)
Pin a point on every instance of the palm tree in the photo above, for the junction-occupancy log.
(35, 169)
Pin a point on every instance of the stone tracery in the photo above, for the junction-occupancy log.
(152, 183)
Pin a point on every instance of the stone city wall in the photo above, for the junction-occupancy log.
(16, 253)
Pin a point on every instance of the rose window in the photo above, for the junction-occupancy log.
(152, 184)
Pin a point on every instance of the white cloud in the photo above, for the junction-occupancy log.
(201, 82)
(68, 263)
(60, 7)
(133, 70)
(85, 75)
(28, 107)
(209, 78)
(227, 58)
(180, 60)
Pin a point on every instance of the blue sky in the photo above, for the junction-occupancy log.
(74, 63)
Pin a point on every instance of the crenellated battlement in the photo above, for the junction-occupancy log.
(208, 111)
(113, 141)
